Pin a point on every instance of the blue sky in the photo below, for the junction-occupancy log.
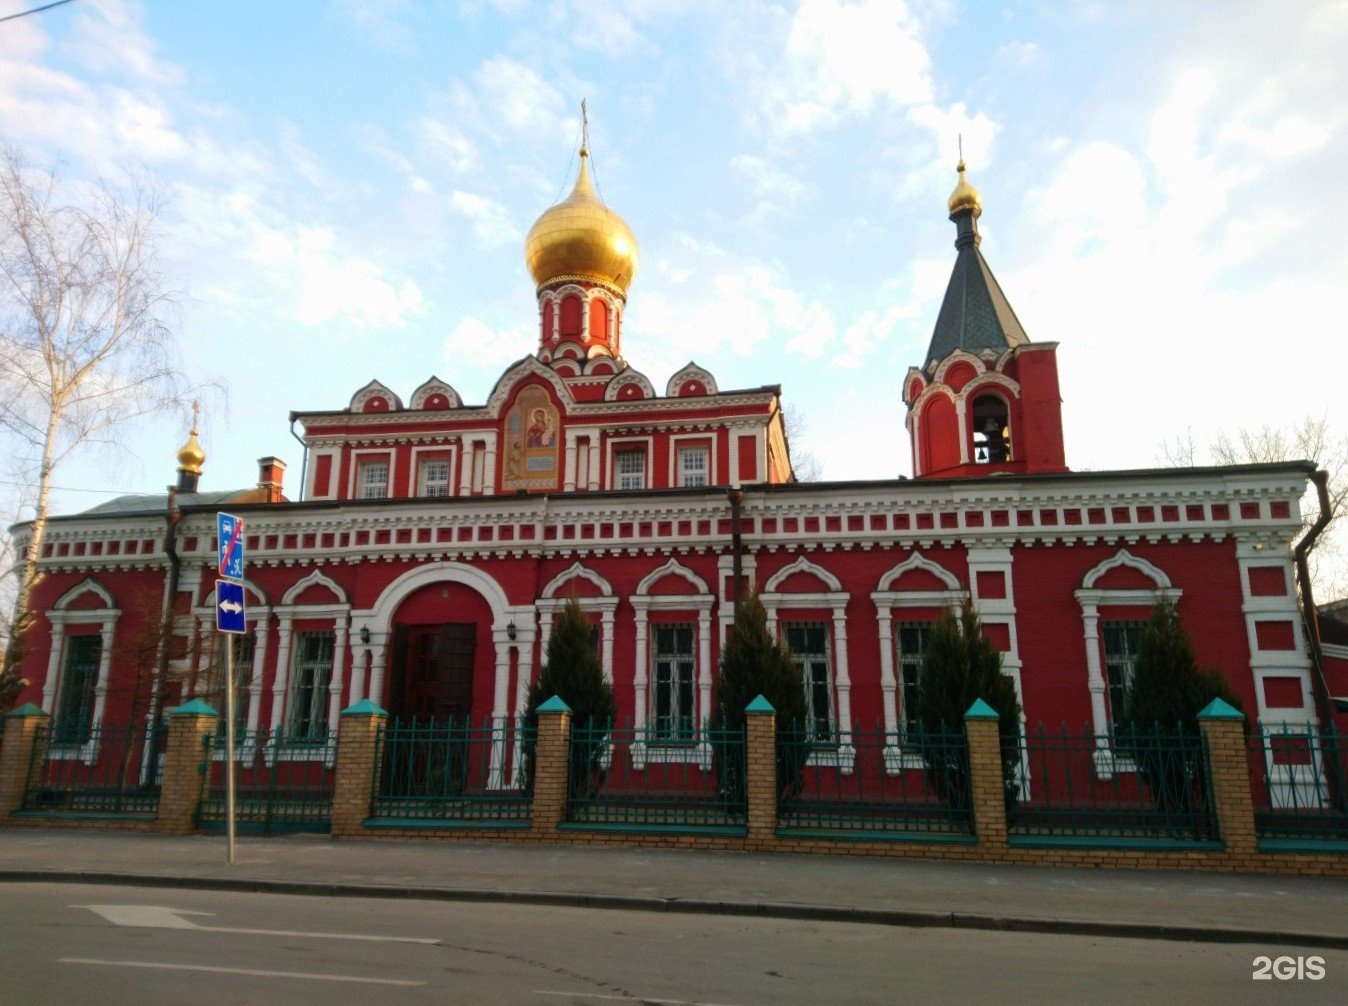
(1163, 187)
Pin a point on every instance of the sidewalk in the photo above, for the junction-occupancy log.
(1292, 911)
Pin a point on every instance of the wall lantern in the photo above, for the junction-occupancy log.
(510, 630)
(365, 635)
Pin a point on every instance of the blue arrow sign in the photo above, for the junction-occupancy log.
(229, 610)
(229, 535)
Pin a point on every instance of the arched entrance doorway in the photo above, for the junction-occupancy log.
(441, 655)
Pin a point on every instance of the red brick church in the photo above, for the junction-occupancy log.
(434, 539)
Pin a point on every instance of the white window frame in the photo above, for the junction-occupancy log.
(617, 447)
(809, 664)
(697, 605)
(60, 616)
(683, 442)
(302, 668)
(361, 462)
(425, 485)
(682, 674)
(693, 463)
(338, 614)
(831, 598)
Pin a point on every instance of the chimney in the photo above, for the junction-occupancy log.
(270, 474)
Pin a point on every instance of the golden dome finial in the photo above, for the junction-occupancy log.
(580, 238)
(965, 196)
(190, 456)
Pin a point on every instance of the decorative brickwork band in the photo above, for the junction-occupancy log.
(551, 758)
(17, 755)
(358, 734)
(185, 767)
(987, 791)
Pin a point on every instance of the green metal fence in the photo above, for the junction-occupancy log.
(636, 778)
(452, 773)
(110, 771)
(1126, 788)
(873, 784)
(280, 785)
(1298, 774)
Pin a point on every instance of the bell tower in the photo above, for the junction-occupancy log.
(985, 399)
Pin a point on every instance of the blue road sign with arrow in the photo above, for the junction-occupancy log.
(229, 535)
(229, 610)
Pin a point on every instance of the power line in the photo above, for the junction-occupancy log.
(36, 10)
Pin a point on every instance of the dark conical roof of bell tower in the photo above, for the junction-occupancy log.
(975, 314)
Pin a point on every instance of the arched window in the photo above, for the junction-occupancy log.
(992, 430)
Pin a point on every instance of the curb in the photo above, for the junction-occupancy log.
(773, 910)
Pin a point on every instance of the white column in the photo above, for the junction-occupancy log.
(640, 673)
(592, 479)
(569, 471)
(489, 466)
(585, 318)
(104, 668)
(53, 665)
(378, 647)
(606, 646)
(704, 662)
(341, 629)
(500, 695)
(262, 632)
(465, 457)
(733, 435)
(843, 679)
(282, 678)
(1095, 676)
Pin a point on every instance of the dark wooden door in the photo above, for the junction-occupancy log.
(437, 671)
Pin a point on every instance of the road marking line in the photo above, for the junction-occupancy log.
(158, 917)
(237, 971)
(645, 1000)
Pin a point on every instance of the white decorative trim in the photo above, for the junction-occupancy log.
(374, 390)
(691, 372)
(918, 561)
(802, 565)
(435, 386)
(1125, 559)
(316, 578)
(629, 376)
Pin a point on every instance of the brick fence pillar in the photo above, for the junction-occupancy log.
(1229, 776)
(17, 755)
(760, 756)
(987, 787)
(552, 758)
(185, 767)
(353, 788)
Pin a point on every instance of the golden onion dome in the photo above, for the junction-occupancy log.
(581, 238)
(190, 456)
(965, 196)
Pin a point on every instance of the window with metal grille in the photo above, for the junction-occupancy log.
(809, 644)
(673, 704)
(692, 466)
(434, 478)
(630, 465)
(372, 480)
(1121, 641)
(310, 673)
(74, 719)
(912, 645)
(243, 674)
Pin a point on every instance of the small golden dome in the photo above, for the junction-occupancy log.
(581, 238)
(965, 196)
(190, 456)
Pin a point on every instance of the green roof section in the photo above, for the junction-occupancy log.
(554, 705)
(759, 705)
(975, 314)
(24, 711)
(364, 708)
(194, 708)
(1220, 709)
(980, 710)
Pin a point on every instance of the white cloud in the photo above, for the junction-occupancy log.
(491, 221)
(475, 343)
(379, 21)
(775, 189)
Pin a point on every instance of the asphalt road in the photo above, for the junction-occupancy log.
(73, 944)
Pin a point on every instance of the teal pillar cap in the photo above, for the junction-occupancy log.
(759, 705)
(554, 705)
(25, 710)
(364, 708)
(980, 710)
(1220, 709)
(194, 708)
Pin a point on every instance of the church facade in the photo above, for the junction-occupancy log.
(435, 540)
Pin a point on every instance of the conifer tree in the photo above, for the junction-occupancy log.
(959, 666)
(572, 672)
(1161, 709)
(754, 664)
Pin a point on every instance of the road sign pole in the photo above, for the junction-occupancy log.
(229, 746)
